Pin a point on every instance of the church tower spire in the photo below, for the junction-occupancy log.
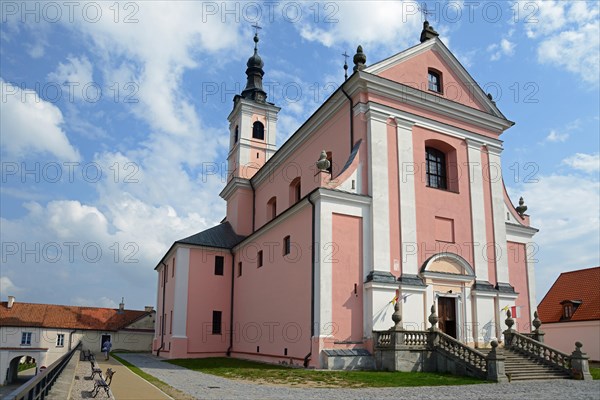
(254, 72)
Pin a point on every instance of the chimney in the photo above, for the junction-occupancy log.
(11, 301)
(149, 308)
(122, 305)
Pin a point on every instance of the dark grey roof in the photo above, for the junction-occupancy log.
(221, 236)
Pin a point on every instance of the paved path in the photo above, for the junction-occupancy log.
(205, 386)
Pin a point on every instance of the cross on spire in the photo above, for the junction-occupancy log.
(345, 65)
(424, 11)
(256, 28)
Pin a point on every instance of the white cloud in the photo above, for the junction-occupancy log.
(76, 73)
(387, 27)
(504, 48)
(7, 287)
(32, 125)
(556, 137)
(568, 34)
(589, 163)
(576, 50)
(565, 210)
(103, 302)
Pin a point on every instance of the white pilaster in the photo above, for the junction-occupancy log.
(413, 306)
(477, 209)
(406, 183)
(379, 187)
(180, 301)
(498, 215)
(484, 324)
(530, 262)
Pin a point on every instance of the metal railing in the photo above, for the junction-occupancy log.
(39, 386)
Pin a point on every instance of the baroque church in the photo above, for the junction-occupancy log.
(389, 195)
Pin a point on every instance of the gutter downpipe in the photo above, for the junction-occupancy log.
(162, 328)
(351, 119)
(231, 306)
(312, 286)
(71, 338)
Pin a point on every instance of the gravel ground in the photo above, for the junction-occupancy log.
(82, 386)
(205, 386)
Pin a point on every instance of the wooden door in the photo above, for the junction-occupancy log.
(447, 315)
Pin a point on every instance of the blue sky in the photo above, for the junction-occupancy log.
(114, 114)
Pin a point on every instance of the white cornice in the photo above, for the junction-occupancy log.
(519, 233)
(428, 101)
(247, 106)
(338, 196)
(447, 277)
(234, 184)
(430, 124)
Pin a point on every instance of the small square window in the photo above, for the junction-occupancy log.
(239, 269)
(60, 340)
(26, 339)
(219, 263)
(287, 245)
(435, 81)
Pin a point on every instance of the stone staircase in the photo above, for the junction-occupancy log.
(520, 367)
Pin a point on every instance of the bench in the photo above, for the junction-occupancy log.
(95, 370)
(103, 383)
(88, 356)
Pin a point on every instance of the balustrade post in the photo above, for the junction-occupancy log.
(397, 329)
(495, 364)
(538, 334)
(508, 334)
(580, 368)
(433, 338)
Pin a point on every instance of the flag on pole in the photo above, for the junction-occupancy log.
(515, 311)
(395, 299)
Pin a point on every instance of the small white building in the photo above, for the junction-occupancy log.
(45, 332)
(570, 312)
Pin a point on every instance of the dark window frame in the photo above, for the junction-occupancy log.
(287, 245)
(436, 168)
(60, 340)
(26, 338)
(219, 265)
(217, 319)
(258, 130)
(259, 259)
(236, 134)
(434, 81)
(240, 269)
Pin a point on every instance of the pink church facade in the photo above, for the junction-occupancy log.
(391, 189)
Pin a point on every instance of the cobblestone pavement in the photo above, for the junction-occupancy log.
(205, 386)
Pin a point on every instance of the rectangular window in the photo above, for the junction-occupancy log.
(171, 323)
(166, 273)
(287, 244)
(26, 339)
(160, 325)
(239, 269)
(434, 82)
(259, 259)
(60, 340)
(173, 270)
(219, 263)
(435, 163)
(216, 323)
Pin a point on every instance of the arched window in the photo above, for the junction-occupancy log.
(295, 191)
(258, 130)
(272, 208)
(434, 80)
(435, 164)
(236, 134)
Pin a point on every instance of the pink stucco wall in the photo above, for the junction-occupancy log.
(431, 202)
(414, 72)
(334, 136)
(517, 274)
(169, 290)
(272, 303)
(347, 286)
(208, 292)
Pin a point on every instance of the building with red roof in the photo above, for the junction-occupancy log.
(570, 312)
(45, 332)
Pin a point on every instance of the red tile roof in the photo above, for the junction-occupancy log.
(67, 317)
(582, 285)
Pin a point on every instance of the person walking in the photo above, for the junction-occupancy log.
(106, 346)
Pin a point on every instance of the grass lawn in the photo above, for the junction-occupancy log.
(25, 367)
(595, 373)
(277, 374)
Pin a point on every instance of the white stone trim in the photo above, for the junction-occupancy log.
(406, 183)
(379, 190)
(427, 123)
(498, 206)
(519, 233)
(180, 297)
(469, 272)
(477, 209)
(447, 277)
(530, 263)
(233, 185)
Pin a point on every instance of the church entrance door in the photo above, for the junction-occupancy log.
(447, 315)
